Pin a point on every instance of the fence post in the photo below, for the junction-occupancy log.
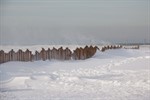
(76, 54)
(43, 54)
(82, 57)
(12, 55)
(54, 53)
(6, 57)
(28, 55)
(60, 53)
(37, 56)
(49, 54)
(19, 55)
(68, 54)
(2, 53)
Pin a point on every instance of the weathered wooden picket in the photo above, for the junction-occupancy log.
(59, 54)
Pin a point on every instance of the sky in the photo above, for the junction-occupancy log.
(36, 22)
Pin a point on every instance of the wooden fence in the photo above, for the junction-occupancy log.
(59, 54)
(104, 48)
(131, 47)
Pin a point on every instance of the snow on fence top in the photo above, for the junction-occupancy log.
(80, 53)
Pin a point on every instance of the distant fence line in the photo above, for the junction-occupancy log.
(59, 54)
(132, 47)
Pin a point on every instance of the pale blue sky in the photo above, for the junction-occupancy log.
(73, 21)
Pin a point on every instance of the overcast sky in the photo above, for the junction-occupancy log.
(27, 22)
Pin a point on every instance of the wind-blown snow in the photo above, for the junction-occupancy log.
(120, 74)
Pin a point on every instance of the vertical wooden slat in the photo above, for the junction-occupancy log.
(68, 54)
(49, 53)
(2, 55)
(12, 55)
(37, 56)
(60, 55)
(43, 54)
(54, 53)
(28, 55)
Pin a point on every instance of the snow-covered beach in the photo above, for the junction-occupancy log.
(121, 74)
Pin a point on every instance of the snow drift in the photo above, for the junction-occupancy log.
(113, 74)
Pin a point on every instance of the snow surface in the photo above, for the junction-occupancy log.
(121, 74)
